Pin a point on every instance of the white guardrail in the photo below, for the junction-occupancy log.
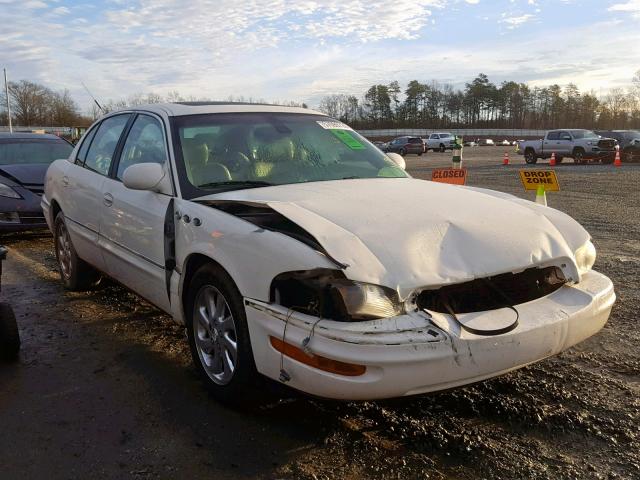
(494, 133)
(54, 130)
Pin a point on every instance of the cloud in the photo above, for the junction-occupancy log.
(516, 21)
(632, 6)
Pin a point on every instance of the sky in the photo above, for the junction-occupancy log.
(301, 50)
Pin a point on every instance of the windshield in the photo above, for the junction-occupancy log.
(31, 150)
(230, 151)
(583, 134)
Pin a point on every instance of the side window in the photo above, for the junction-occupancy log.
(564, 136)
(86, 141)
(553, 136)
(104, 144)
(145, 144)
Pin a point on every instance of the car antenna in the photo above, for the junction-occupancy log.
(94, 98)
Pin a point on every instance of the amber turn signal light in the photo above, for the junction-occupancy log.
(316, 361)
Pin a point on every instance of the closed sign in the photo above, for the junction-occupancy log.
(455, 176)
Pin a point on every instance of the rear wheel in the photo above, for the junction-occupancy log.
(530, 157)
(442, 148)
(9, 336)
(219, 336)
(403, 152)
(629, 156)
(76, 274)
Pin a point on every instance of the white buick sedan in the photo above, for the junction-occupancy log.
(291, 247)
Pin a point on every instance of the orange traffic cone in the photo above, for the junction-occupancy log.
(617, 162)
(505, 160)
(552, 162)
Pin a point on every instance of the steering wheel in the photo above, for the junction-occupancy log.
(237, 161)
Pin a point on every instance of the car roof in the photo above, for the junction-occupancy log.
(198, 108)
(27, 135)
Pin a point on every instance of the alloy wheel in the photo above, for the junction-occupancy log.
(215, 335)
(64, 250)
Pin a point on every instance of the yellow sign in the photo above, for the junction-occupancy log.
(532, 179)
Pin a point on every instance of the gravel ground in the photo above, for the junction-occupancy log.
(104, 387)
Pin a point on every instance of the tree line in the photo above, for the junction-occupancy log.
(483, 104)
(480, 104)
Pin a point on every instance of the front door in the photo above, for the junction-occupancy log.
(132, 225)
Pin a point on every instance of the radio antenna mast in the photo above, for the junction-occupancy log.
(94, 98)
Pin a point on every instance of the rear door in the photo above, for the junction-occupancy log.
(565, 143)
(551, 143)
(132, 226)
(82, 183)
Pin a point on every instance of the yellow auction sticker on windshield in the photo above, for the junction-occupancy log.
(348, 139)
(532, 179)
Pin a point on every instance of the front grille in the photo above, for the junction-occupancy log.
(31, 218)
(607, 144)
(490, 293)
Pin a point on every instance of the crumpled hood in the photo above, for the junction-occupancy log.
(408, 233)
(29, 174)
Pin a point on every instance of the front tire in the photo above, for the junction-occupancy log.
(578, 156)
(219, 336)
(442, 148)
(76, 274)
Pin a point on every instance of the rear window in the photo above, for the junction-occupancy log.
(33, 150)
(415, 140)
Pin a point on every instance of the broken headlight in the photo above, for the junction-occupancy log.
(585, 257)
(328, 294)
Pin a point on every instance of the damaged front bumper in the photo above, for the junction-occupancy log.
(425, 352)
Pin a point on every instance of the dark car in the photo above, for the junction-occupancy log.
(624, 137)
(406, 145)
(24, 159)
(631, 152)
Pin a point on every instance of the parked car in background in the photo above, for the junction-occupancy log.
(505, 143)
(381, 145)
(24, 159)
(623, 137)
(579, 144)
(406, 145)
(470, 143)
(631, 152)
(282, 240)
(486, 142)
(440, 141)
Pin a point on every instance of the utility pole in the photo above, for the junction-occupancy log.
(6, 92)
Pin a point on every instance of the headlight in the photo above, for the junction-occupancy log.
(7, 191)
(585, 257)
(328, 294)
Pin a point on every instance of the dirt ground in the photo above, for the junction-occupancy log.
(105, 389)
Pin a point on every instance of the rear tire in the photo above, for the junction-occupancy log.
(76, 274)
(530, 157)
(9, 335)
(219, 336)
(403, 152)
(442, 148)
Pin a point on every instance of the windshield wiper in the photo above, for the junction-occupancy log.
(238, 183)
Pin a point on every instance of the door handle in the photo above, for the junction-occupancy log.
(65, 181)
(107, 200)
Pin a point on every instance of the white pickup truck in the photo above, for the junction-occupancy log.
(440, 141)
(581, 145)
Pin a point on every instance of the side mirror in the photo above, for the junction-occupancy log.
(145, 176)
(398, 160)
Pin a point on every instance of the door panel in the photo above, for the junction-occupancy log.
(81, 206)
(132, 239)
